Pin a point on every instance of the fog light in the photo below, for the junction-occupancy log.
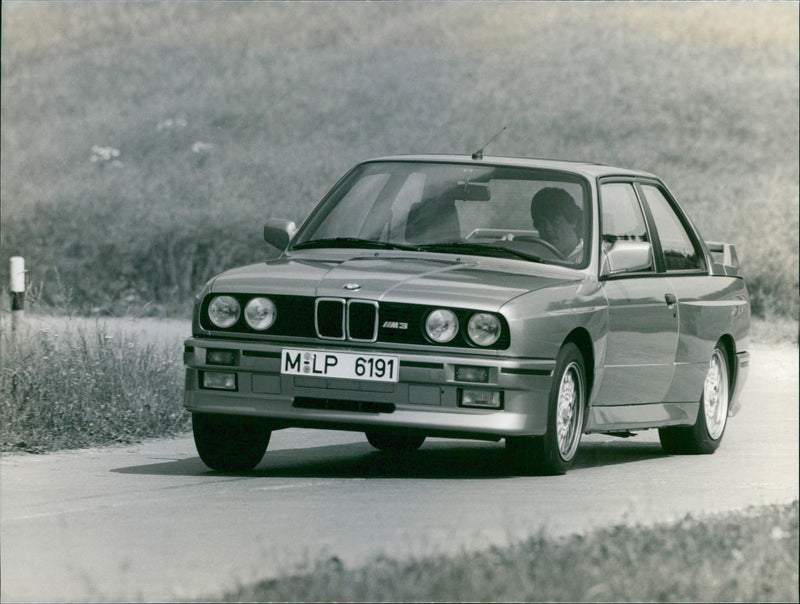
(218, 381)
(487, 399)
(465, 373)
(220, 357)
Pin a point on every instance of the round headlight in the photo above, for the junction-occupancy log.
(224, 311)
(441, 325)
(260, 313)
(483, 329)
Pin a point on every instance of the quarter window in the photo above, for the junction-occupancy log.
(680, 253)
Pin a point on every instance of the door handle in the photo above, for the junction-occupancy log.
(670, 299)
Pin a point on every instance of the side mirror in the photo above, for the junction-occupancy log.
(626, 257)
(278, 232)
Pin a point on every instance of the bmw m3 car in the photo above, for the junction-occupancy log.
(496, 298)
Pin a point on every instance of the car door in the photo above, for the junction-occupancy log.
(642, 311)
(702, 311)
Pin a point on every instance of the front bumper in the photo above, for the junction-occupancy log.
(425, 400)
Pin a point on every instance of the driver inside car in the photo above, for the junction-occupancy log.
(559, 221)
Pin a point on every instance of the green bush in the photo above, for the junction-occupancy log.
(143, 145)
(767, 228)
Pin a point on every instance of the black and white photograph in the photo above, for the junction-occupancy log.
(424, 301)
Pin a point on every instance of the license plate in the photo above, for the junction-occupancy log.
(345, 365)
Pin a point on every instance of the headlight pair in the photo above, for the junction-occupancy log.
(259, 313)
(442, 325)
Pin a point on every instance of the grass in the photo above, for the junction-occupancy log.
(144, 143)
(775, 330)
(70, 383)
(742, 556)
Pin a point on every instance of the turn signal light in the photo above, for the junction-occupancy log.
(465, 373)
(216, 356)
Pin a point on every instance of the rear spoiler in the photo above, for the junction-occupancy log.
(724, 256)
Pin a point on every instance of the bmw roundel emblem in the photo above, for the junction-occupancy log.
(351, 286)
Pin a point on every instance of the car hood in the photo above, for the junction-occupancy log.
(442, 279)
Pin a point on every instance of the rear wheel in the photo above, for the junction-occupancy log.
(395, 443)
(706, 434)
(230, 443)
(554, 452)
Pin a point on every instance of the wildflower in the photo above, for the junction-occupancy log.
(105, 155)
(169, 124)
(201, 147)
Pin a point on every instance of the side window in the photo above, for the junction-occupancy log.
(622, 216)
(679, 251)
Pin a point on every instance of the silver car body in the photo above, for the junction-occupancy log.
(646, 339)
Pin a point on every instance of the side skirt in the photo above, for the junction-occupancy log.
(638, 417)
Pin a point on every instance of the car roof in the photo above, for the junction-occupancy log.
(587, 169)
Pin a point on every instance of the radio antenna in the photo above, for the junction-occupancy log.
(479, 153)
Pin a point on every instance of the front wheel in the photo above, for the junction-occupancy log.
(706, 434)
(554, 452)
(395, 443)
(230, 443)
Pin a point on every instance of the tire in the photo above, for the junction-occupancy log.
(230, 443)
(395, 443)
(553, 453)
(706, 434)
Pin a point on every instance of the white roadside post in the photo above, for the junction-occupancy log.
(17, 290)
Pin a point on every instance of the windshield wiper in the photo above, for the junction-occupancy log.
(450, 247)
(481, 249)
(353, 242)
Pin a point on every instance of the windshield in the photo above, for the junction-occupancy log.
(523, 213)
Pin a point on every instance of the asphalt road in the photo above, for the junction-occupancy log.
(151, 522)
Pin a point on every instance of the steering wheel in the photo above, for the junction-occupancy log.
(539, 241)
